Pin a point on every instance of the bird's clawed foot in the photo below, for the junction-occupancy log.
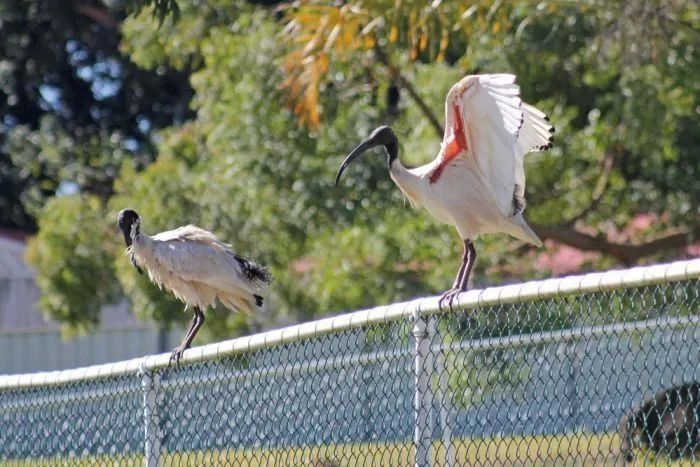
(449, 297)
(176, 354)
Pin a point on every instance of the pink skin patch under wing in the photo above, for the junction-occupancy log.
(456, 144)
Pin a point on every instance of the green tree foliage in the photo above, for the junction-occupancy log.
(71, 231)
(73, 107)
(257, 167)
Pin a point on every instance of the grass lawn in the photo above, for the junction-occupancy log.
(574, 449)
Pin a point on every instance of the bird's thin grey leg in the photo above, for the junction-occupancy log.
(471, 258)
(188, 335)
(465, 271)
(456, 287)
(462, 267)
(197, 322)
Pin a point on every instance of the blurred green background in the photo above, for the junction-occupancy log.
(235, 115)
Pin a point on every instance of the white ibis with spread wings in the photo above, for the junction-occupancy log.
(196, 267)
(477, 181)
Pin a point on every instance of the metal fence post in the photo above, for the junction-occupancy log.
(150, 384)
(444, 397)
(422, 396)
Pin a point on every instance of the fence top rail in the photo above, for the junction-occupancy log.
(528, 291)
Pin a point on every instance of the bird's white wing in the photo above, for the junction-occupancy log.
(188, 233)
(194, 261)
(196, 254)
(535, 134)
(486, 120)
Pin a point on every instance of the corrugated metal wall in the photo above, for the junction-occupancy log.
(29, 342)
(30, 351)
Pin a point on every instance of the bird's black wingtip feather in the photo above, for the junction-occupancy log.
(258, 300)
(261, 274)
(253, 271)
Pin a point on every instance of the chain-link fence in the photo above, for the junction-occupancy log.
(594, 369)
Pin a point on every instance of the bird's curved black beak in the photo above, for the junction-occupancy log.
(125, 227)
(369, 143)
(127, 238)
(125, 221)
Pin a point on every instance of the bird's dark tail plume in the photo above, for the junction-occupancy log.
(258, 299)
(253, 272)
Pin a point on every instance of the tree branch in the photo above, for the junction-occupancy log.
(606, 167)
(626, 253)
(99, 15)
(405, 84)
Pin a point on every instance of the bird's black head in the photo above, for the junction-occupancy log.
(128, 218)
(382, 136)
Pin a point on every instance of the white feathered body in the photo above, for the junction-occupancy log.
(480, 188)
(462, 198)
(199, 269)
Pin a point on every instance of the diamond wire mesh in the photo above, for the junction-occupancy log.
(588, 378)
(93, 420)
(556, 381)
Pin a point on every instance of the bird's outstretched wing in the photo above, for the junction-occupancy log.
(485, 119)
